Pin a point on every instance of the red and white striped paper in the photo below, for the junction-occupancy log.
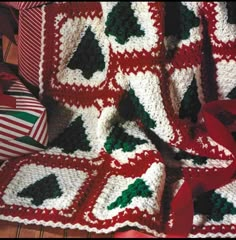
(29, 38)
(23, 130)
(29, 47)
(24, 5)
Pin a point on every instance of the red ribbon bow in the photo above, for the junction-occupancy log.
(5, 100)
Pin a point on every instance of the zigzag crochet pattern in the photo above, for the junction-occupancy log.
(141, 103)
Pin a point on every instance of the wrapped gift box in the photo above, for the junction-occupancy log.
(23, 128)
(29, 38)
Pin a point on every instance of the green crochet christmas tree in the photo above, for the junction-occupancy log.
(46, 188)
(122, 23)
(118, 138)
(179, 20)
(88, 57)
(137, 189)
(135, 110)
(213, 205)
(73, 138)
(190, 104)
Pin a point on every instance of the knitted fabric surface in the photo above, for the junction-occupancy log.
(142, 121)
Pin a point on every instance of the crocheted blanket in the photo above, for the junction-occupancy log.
(142, 121)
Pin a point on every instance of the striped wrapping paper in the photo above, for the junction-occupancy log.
(29, 44)
(24, 5)
(29, 38)
(23, 130)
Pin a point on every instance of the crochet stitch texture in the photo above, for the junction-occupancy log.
(126, 85)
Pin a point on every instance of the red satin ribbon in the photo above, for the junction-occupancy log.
(181, 207)
(5, 100)
(182, 213)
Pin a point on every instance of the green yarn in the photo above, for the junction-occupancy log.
(118, 138)
(179, 20)
(231, 8)
(130, 108)
(73, 138)
(232, 94)
(122, 23)
(140, 111)
(137, 189)
(213, 205)
(203, 204)
(126, 108)
(221, 207)
(188, 21)
(184, 155)
(46, 188)
(190, 104)
(88, 57)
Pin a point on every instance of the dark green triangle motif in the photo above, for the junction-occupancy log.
(73, 138)
(131, 108)
(185, 155)
(231, 8)
(213, 205)
(179, 20)
(122, 23)
(46, 188)
(118, 138)
(232, 94)
(137, 189)
(190, 105)
(88, 57)
(126, 107)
